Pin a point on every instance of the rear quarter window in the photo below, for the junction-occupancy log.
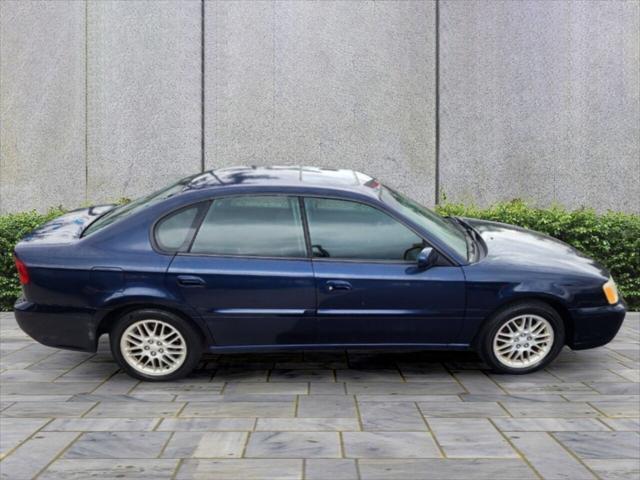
(174, 232)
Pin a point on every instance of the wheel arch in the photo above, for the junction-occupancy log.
(116, 311)
(557, 304)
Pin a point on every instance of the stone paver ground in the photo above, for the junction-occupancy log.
(320, 415)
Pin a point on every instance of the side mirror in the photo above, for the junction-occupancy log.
(427, 258)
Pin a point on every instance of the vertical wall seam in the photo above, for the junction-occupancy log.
(437, 106)
(202, 80)
(86, 100)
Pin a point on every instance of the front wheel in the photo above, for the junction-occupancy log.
(155, 345)
(522, 338)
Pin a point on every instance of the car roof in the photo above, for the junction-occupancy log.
(300, 177)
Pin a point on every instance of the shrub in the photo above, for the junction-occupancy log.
(13, 227)
(612, 238)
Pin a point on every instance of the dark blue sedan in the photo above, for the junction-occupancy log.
(259, 259)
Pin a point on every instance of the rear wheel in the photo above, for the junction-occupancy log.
(522, 338)
(155, 345)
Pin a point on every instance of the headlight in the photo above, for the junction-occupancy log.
(610, 291)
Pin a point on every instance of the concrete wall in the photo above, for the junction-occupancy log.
(539, 100)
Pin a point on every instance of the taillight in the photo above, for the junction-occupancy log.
(23, 273)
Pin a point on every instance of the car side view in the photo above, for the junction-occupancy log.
(266, 258)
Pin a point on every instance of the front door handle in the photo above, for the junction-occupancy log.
(333, 285)
(190, 281)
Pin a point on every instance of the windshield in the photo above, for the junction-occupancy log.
(135, 206)
(430, 221)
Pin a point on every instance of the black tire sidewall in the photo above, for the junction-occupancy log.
(501, 317)
(190, 334)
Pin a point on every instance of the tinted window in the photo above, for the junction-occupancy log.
(350, 230)
(431, 221)
(264, 226)
(173, 232)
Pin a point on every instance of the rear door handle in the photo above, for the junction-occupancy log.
(333, 285)
(190, 281)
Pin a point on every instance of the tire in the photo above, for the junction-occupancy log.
(502, 337)
(175, 344)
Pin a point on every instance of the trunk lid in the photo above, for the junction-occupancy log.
(65, 228)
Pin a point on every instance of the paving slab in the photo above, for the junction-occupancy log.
(325, 415)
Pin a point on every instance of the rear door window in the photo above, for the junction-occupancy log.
(266, 226)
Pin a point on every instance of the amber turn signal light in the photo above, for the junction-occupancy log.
(611, 291)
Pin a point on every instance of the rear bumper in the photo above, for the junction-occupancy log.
(596, 326)
(60, 327)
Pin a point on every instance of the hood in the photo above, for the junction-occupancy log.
(508, 244)
(65, 228)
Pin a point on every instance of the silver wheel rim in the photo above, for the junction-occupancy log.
(153, 347)
(523, 341)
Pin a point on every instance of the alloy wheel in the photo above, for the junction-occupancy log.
(523, 341)
(153, 347)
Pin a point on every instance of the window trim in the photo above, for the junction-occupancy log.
(203, 208)
(309, 254)
(188, 252)
(364, 260)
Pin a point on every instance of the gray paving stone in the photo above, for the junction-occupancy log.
(429, 469)
(118, 445)
(326, 406)
(462, 409)
(52, 409)
(307, 424)
(391, 416)
(206, 424)
(549, 424)
(206, 445)
(135, 409)
(469, 438)
(531, 397)
(623, 424)
(611, 388)
(333, 469)
(196, 415)
(477, 382)
(615, 469)
(399, 388)
(13, 431)
(246, 469)
(81, 469)
(550, 409)
(407, 398)
(301, 375)
(48, 388)
(293, 445)
(548, 457)
(602, 445)
(289, 388)
(239, 409)
(34, 454)
(326, 388)
(381, 375)
(618, 409)
(240, 375)
(102, 424)
(527, 387)
(389, 445)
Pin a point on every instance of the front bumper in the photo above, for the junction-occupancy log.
(60, 327)
(595, 326)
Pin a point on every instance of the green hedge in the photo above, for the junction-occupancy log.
(13, 227)
(612, 238)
